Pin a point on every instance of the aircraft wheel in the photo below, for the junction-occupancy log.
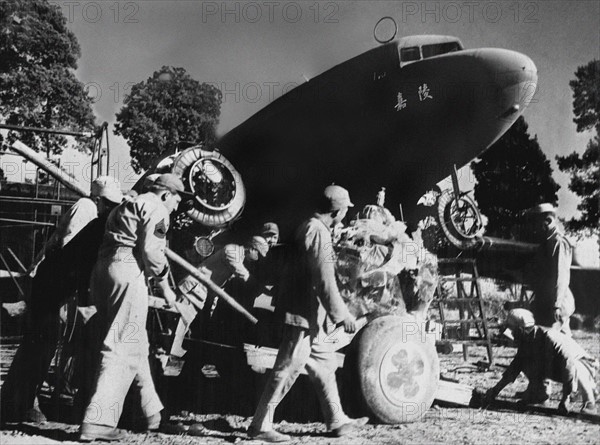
(398, 369)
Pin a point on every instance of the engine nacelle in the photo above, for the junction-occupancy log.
(219, 192)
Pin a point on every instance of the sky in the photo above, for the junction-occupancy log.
(255, 50)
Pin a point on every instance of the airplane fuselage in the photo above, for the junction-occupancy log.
(375, 121)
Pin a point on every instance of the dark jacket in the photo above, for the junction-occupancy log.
(310, 292)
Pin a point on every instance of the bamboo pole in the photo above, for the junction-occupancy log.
(210, 285)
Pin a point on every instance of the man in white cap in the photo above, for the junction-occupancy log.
(550, 271)
(313, 306)
(546, 355)
(80, 214)
(133, 247)
(55, 281)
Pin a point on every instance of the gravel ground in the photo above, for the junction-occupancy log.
(439, 425)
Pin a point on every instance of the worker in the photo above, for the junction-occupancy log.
(313, 307)
(76, 218)
(550, 270)
(58, 277)
(222, 266)
(133, 246)
(270, 232)
(225, 264)
(545, 355)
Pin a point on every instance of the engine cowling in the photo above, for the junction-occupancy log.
(219, 192)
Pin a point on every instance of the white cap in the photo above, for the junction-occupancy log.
(520, 318)
(107, 187)
(149, 181)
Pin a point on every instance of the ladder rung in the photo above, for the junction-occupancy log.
(458, 300)
(458, 279)
(473, 342)
(470, 320)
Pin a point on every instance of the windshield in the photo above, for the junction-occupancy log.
(439, 48)
(410, 54)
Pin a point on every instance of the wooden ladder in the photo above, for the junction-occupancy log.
(469, 303)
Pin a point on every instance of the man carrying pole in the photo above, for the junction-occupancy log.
(134, 245)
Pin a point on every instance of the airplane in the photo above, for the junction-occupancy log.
(398, 116)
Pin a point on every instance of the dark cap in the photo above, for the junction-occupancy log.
(540, 209)
(269, 228)
(338, 197)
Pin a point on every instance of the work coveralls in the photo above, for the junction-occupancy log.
(550, 282)
(547, 354)
(49, 291)
(134, 245)
(313, 305)
(76, 218)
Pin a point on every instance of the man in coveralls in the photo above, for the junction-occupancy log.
(51, 287)
(134, 246)
(546, 354)
(551, 271)
(313, 306)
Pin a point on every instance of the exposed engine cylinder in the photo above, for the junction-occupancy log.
(219, 192)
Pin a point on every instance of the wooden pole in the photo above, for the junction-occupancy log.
(210, 285)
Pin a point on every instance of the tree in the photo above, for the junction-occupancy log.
(38, 87)
(586, 96)
(168, 109)
(512, 175)
(585, 169)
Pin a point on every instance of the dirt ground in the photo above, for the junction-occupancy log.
(439, 425)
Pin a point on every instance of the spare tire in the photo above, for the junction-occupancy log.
(398, 368)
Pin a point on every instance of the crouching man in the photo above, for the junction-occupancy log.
(543, 355)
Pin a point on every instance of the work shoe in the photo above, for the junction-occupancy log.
(270, 436)
(90, 432)
(564, 408)
(589, 408)
(349, 427)
(34, 415)
(532, 398)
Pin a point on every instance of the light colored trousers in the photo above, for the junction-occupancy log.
(119, 291)
(578, 374)
(298, 350)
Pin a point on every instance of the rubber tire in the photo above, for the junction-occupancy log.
(382, 346)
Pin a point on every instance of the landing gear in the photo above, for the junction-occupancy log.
(398, 368)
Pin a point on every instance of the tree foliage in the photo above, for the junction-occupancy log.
(512, 175)
(586, 96)
(584, 169)
(38, 87)
(168, 109)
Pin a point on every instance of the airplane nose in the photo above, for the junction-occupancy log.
(513, 75)
(507, 67)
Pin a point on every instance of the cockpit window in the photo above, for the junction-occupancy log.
(439, 48)
(410, 54)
